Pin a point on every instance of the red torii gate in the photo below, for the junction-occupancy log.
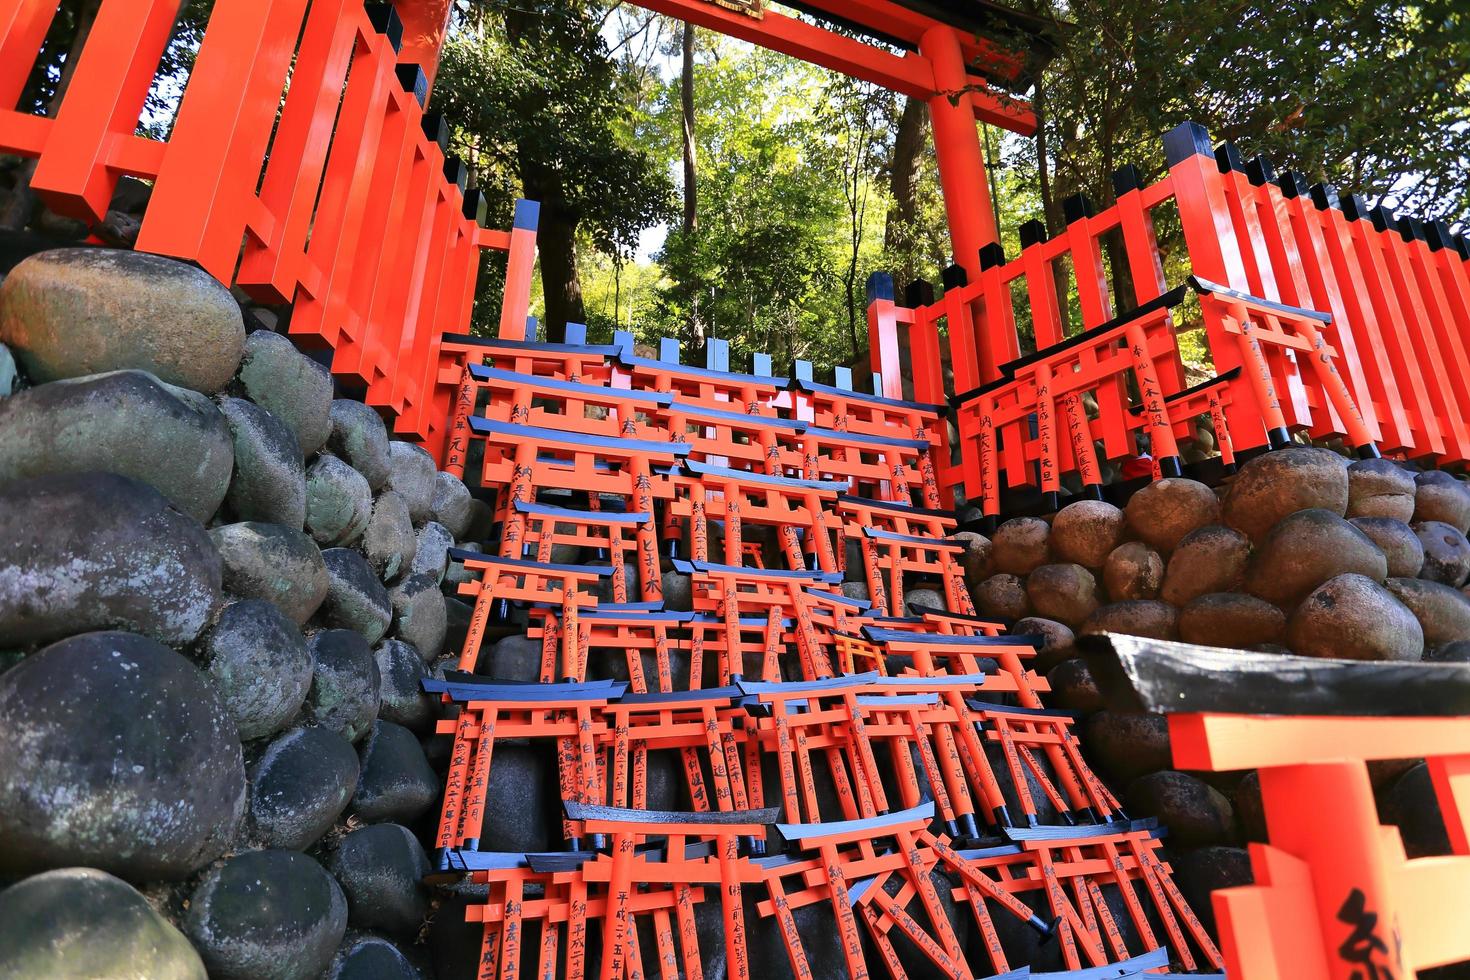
(954, 59)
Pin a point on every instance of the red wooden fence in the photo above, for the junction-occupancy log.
(336, 183)
(1396, 290)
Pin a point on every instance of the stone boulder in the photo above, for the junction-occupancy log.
(523, 782)
(678, 591)
(450, 503)
(1351, 617)
(1086, 532)
(1133, 570)
(81, 924)
(1231, 619)
(411, 472)
(338, 502)
(1438, 496)
(78, 311)
(388, 541)
(431, 551)
(1411, 805)
(355, 600)
(344, 684)
(259, 663)
(1073, 688)
(419, 616)
(91, 551)
(1196, 813)
(380, 869)
(289, 385)
(395, 782)
(1443, 612)
(975, 559)
(1166, 510)
(267, 915)
(1250, 809)
(299, 786)
(269, 483)
(361, 439)
(1278, 483)
(1135, 617)
(1204, 870)
(364, 956)
(115, 752)
(124, 422)
(1306, 549)
(1127, 745)
(1020, 545)
(1066, 593)
(1446, 553)
(1380, 488)
(1398, 542)
(1057, 639)
(402, 699)
(1003, 596)
(279, 564)
(1208, 559)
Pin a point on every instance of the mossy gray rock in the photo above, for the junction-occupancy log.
(1398, 542)
(267, 915)
(89, 551)
(355, 600)
(1166, 510)
(361, 439)
(1306, 549)
(289, 385)
(419, 616)
(1438, 496)
(364, 956)
(115, 753)
(1278, 483)
(1352, 617)
(78, 311)
(270, 482)
(1086, 532)
(431, 551)
(1231, 619)
(411, 472)
(380, 869)
(1133, 570)
(388, 541)
(402, 699)
(299, 786)
(281, 565)
(339, 503)
(84, 924)
(1446, 552)
(1020, 545)
(124, 422)
(344, 684)
(1066, 593)
(1380, 488)
(1443, 612)
(395, 782)
(451, 502)
(259, 663)
(1208, 559)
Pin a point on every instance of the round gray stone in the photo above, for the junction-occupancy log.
(1438, 496)
(451, 503)
(431, 551)
(279, 564)
(116, 753)
(267, 915)
(269, 482)
(289, 385)
(1351, 617)
(368, 957)
(419, 616)
(1446, 552)
(402, 699)
(91, 551)
(344, 684)
(360, 437)
(1276, 484)
(1306, 549)
(299, 787)
(1380, 488)
(411, 472)
(338, 501)
(380, 869)
(1398, 542)
(1195, 812)
(81, 924)
(1127, 745)
(396, 782)
(259, 663)
(388, 541)
(1443, 612)
(124, 422)
(78, 311)
(1207, 559)
(678, 591)
(356, 600)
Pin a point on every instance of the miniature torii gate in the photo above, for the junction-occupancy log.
(948, 62)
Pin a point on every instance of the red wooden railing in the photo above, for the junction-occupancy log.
(337, 183)
(1397, 291)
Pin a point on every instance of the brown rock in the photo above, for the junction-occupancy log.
(1438, 496)
(1066, 593)
(1443, 612)
(1380, 488)
(1457, 652)
(1126, 745)
(1446, 552)
(1057, 639)
(1354, 618)
(1073, 687)
(1135, 617)
(1398, 542)
(1208, 559)
(1276, 484)
(1412, 805)
(1306, 549)
(976, 557)
(1086, 531)
(1195, 812)
(1002, 595)
(1133, 571)
(1020, 545)
(1166, 510)
(1204, 870)
(1231, 619)
(1250, 811)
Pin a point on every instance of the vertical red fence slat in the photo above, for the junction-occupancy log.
(23, 27)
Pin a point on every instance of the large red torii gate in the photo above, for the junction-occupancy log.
(953, 59)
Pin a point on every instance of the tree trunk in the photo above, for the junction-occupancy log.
(903, 189)
(694, 328)
(556, 239)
